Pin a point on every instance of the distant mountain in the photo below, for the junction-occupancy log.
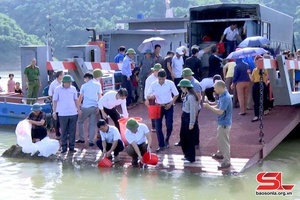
(11, 38)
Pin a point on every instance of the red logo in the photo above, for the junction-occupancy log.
(272, 181)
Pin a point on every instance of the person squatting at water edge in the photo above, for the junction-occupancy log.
(90, 93)
(189, 123)
(66, 105)
(165, 94)
(139, 139)
(224, 111)
(37, 118)
(108, 103)
(109, 140)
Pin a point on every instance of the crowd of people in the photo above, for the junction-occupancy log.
(153, 81)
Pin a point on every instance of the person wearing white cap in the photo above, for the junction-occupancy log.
(177, 67)
(184, 52)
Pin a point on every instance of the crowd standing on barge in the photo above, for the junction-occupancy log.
(157, 81)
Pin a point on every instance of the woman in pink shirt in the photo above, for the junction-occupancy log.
(11, 83)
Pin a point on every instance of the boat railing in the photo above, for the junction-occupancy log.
(14, 98)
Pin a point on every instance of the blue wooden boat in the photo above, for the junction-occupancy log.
(13, 110)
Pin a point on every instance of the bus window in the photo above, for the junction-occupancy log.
(265, 30)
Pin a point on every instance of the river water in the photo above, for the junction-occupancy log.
(27, 179)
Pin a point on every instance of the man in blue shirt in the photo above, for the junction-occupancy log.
(128, 64)
(120, 56)
(224, 112)
(90, 93)
(250, 61)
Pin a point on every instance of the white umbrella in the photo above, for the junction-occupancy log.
(246, 52)
(150, 44)
(254, 41)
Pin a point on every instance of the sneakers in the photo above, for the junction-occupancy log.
(167, 144)
(178, 144)
(159, 149)
(217, 156)
(79, 141)
(134, 162)
(224, 166)
(63, 151)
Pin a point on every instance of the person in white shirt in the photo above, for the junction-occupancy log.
(177, 66)
(149, 81)
(110, 140)
(108, 103)
(90, 93)
(139, 139)
(57, 82)
(232, 34)
(66, 105)
(162, 90)
(207, 86)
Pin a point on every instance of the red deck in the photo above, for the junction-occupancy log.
(244, 138)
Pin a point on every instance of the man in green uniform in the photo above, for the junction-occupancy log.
(33, 81)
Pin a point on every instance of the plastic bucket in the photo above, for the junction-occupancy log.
(122, 123)
(150, 158)
(221, 47)
(154, 111)
(105, 162)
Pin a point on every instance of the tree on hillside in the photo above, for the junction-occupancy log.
(11, 38)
